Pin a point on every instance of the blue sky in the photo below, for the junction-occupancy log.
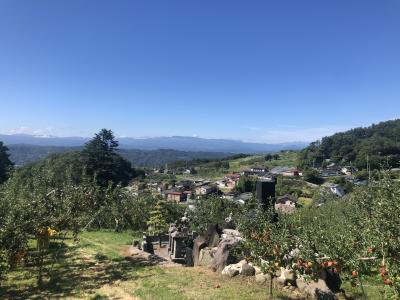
(266, 71)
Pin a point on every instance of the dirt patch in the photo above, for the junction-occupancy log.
(140, 257)
(115, 292)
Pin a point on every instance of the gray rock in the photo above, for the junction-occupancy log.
(286, 277)
(231, 232)
(241, 263)
(316, 290)
(231, 270)
(247, 270)
(209, 239)
(212, 236)
(205, 257)
(222, 256)
(198, 244)
(258, 270)
(262, 278)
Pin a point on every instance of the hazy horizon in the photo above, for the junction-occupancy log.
(317, 132)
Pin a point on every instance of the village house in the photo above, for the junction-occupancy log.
(176, 196)
(232, 179)
(200, 182)
(255, 171)
(137, 187)
(291, 172)
(331, 171)
(222, 183)
(184, 184)
(286, 203)
(188, 194)
(287, 200)
(205, 190)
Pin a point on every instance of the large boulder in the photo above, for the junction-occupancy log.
(212, 235)
(262, 278)
(258, 270)
(316, 290)
(231, 232)
(247, 270)
(231, 270)
(286, 277)
(223, 257)
(205, 257)
(209, 239)
(198, 244)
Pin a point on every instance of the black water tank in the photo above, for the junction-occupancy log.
(265, 190)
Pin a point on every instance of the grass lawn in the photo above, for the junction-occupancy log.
(95, 268)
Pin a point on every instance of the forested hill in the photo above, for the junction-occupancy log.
(21, 155)
(379, 143)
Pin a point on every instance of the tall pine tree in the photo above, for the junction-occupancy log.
(101, 159)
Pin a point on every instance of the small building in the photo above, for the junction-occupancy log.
(349, 170)
(259, 171)
(189, 195)
(287, 200)
(175, 196)
(331, 171)
(205, 190)
(279, 170)
(287, 209)
(286, 204)
(184, 184)
(222, 183)
(291, 172)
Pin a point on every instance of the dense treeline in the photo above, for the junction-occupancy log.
(379, 144)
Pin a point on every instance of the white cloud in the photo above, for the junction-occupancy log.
(284, 134)
(47, 131)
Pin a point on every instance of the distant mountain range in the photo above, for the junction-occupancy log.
(175, 142)
(22, 154)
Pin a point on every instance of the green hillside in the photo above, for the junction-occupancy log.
(379, 144)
